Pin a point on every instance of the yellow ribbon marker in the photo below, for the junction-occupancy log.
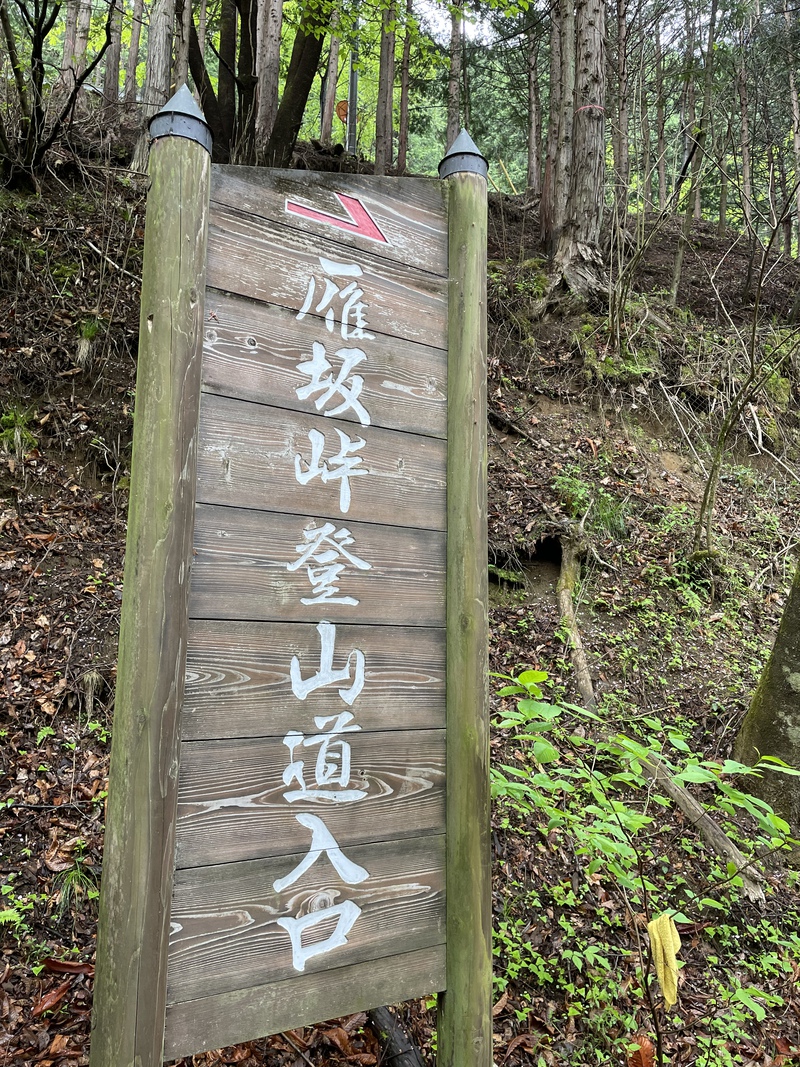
(665, 942)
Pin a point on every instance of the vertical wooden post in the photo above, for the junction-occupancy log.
(130, 983)
(465, 1016)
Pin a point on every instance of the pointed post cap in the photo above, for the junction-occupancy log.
(181, 117)
(463, 157)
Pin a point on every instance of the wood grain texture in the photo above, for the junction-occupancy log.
(247, 1014)
(238, 684)
(465, 1010)
(224, 918)
(130, 989)
(410, 212)
(247, 458)
(231, 802)
(252, 351)
(240, 571)
(273, 263)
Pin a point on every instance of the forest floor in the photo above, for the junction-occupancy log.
(585, 436)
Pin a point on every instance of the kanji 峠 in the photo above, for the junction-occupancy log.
(341, 467)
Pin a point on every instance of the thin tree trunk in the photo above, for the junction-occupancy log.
(795, 129)
(269, 67)
(183, 19)
(131, 87)
(384, 114)
(159, 66)
(112, 58)
(82, 35)
(202, 25)
(246, 84)
(534, 176)
(619, 138)
(567, 107)
(226, 81)
(547, 202)
(306, 52)
(66, 78)
(661, 140)
(454, 80)
(329, 96)
(744, 111)
(405, 71)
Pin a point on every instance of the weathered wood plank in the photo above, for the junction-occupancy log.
(238, 683)
(272, 263)
(247, 1014)
(248, 458)
(465, 1010)
(240, 570)
(232, 806)
(129, 1002)
(252, 351)
(410, 212)
(224, 920)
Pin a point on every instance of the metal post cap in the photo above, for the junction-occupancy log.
(181, 117)
(463, 157)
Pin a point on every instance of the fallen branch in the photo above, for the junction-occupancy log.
(399, 1048)
(716, 838)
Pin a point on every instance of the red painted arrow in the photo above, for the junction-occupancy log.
(358, 221)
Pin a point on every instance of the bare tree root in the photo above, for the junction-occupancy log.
(715, 838)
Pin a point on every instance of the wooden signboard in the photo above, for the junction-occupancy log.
(281, 832)
(311, 792)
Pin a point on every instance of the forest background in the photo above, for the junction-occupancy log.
(644, 379)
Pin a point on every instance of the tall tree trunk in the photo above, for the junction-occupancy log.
(384, 118)
(619, 134)
(112, 58)
(82, 35)
(246, 82)
(547, 202)
(534, 175)
(226, 81)
(770, 727)
(66, 78)
(306, 52)
(157, 77)
(578, 260)
(202, 25)
(744, 112)
(567, 105)
(699, 138)
(270, 15)
(405, 72)
(183, 21)
(454, 79)
(661, 140)
(795, 128)
(131, 87)
(329, 96)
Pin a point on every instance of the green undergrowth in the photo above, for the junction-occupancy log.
(579, 797)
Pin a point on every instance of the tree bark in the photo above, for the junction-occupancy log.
(159, 68)
(112, 58)
(547, 202)
(619, 138)
(772, 725)
(534, 175)
(405, 78)
(384, 114)
(133, 52)
(306, 52)
(269, 67)
(226, 81)
(578, 259)
(329, 96)
(454, 79)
